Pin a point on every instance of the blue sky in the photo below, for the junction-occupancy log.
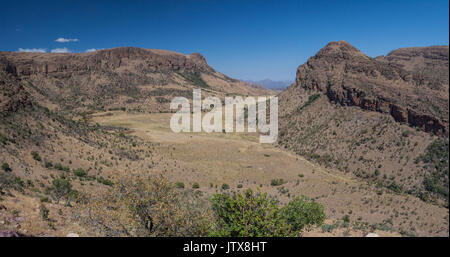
(243, 39)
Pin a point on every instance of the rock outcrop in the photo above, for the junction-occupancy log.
(124, 77)
(350, 78)
(110, 59)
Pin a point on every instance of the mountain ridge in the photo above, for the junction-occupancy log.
(349, 77)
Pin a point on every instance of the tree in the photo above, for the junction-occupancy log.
(300, 213)
(61, 188)
(247, 215)
(250, 215)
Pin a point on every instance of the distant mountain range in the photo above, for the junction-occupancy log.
(271, 84)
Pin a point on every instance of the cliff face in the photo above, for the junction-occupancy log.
(371, 117)
(111, 59)
(410, 84)
(124, 77)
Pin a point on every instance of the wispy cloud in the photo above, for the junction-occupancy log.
(32, 50)
(66, 40)
(61, 50)
(93, 50)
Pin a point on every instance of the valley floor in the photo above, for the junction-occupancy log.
(353, 207)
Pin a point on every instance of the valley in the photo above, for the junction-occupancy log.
(238, 160)
(86, 147)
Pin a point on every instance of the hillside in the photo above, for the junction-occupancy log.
(49, 149)
(126, 77)
(374, 118)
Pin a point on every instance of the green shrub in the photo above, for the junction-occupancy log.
(225, 186)
(179, 184)
(195, 185)
(277, 182)
(80, 172)
(48, 165)
(44, 212)
(61, 188)
(346, 219)
(301, 212)
(5, 167)
(36, 156)
(104, 181)
(250, 215)
(58, 166)
(247, 215)
(437, 164)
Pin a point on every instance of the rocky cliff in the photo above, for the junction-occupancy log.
(409, 84)
(124, 77)
(110, 59)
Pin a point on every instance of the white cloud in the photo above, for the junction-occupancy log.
(66, 40)
(32, 50)
(93, 50)
(61, 50)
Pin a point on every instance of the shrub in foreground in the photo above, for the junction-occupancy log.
(250, 215)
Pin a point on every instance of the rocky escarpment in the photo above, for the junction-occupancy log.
(25, 64)
(143, 80)
(348, 77)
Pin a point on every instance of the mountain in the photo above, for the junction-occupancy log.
(135, 78)
(271, 84)
(375, 118)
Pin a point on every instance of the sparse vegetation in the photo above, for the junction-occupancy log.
(5, 167)
(277, 182)
(436, 163)
(36, 156)
(311, 100)
(179, 184)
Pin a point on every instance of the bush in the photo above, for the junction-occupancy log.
(300, 213)
(147, 207)
(8, 180)
(48, 165)
(195, 185)
(179, 184)
(277, 182)
(36, 156)
(58, 166)
(104, 181)
(225, 186)
(61, 189)
(247, 215)
(5, 167)
(80, 172)
(44, 212)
